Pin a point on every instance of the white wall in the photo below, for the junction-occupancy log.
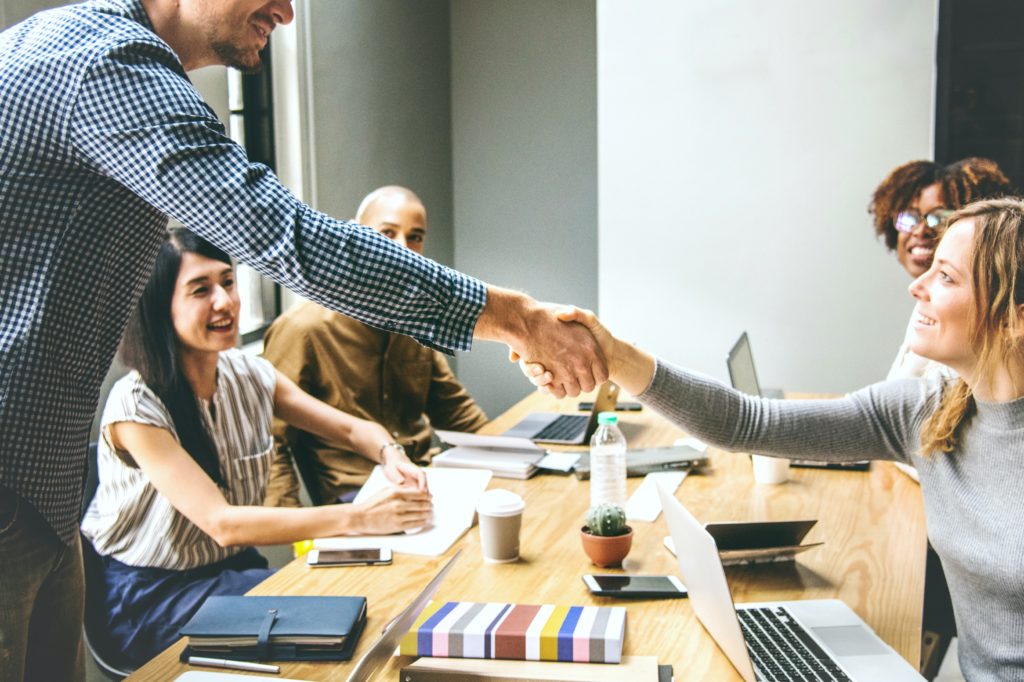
(524, 136)
(739, 142)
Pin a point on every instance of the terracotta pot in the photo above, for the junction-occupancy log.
(606, 551)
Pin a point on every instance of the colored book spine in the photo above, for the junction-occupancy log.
(582, 634)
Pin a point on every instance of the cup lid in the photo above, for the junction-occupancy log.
(499, 502)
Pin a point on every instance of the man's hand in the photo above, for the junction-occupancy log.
(401, 472)
(533, 331)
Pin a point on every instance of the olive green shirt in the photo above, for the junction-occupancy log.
(387, 378)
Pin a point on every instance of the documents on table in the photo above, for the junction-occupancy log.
(455, 493)
(505, 456)
(644, 504)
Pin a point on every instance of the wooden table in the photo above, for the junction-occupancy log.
(873, 557)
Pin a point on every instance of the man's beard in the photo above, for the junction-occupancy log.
(246, 61)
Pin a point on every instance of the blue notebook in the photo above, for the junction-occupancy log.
(276, 628)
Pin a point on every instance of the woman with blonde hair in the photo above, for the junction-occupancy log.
(965, 434)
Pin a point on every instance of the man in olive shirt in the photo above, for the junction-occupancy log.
(367, 372)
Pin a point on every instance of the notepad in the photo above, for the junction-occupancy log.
(586, 634)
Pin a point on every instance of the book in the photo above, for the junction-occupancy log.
(632, 668)
(504, 456)
(651, 460)
(276, 628)
(582, 634)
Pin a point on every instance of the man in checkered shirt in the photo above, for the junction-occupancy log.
(102, 137)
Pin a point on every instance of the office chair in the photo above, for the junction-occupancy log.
(306, 465)
(105, 656)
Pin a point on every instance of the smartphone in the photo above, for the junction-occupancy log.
(586, 406)
(617, 585)
(348, 557)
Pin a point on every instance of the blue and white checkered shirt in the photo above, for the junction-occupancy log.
(101, 138)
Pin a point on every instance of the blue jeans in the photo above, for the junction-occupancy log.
(42, 596)
(146, 607)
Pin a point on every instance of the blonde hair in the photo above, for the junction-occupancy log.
(997, 278)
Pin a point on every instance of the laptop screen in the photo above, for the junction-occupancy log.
(741, 367)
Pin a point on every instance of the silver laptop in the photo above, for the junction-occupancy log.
(820, 639)
(742, 373)
(567, 429)
(744, 378)
(378, 655)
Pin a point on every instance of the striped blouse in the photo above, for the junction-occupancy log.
(132, 522)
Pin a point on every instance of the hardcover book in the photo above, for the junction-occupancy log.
(584, 634)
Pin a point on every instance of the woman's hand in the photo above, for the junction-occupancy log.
(400, 471)
(391, 511)
(540, 376)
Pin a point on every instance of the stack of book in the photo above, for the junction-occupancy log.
(276, 628)
(588, 634)
(505, 457)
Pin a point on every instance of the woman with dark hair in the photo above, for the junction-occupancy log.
(908, 208)
(185, 451)
(963, 434)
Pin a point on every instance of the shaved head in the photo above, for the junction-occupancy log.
(397, 213)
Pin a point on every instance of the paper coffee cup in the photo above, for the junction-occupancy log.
(770, 470)
(501, 515)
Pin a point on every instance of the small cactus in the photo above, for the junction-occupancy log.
(607, 520)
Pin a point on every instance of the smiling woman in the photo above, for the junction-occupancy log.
(962, 434)
(185, 453)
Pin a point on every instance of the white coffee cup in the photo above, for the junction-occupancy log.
(770, 470)
(501, 516)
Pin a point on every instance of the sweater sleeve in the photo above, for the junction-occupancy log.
(882, 421)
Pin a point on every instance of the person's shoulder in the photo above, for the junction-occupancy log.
(307, 319)
(99, 25)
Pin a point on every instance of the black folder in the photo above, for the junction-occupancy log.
(276, 628)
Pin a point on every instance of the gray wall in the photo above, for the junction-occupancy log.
(739, 144)
(524, 121)
(381, 107)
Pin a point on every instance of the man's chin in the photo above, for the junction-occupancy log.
(246, 61)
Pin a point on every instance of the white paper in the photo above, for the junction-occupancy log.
(559, 461)
(696, 444)
(644, 504)
(455, 493)
(473, 440)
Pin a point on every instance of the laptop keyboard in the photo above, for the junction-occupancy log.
(782, 650)
(568, 427)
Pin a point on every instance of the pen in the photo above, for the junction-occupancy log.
(234, 665)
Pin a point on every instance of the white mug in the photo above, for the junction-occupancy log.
(770, 470)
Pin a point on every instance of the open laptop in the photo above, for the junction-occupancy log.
(378, 655)
(817, 639)
(566, 429)
(744, 378)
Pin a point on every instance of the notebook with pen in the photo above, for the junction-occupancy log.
(650, 460)
(276, 628)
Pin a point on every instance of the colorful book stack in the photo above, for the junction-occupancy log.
(588, 634)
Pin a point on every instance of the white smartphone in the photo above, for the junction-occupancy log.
(348, 557)
(620, 585)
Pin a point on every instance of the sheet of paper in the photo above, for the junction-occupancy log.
(455, 493)
(559, 461)
(698, 445)
(644, 504)
(477, 441)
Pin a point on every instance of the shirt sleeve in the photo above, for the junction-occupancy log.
(449, 404)
(138, 120)
(882, 421)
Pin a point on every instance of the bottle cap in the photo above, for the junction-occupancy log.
(607, 418)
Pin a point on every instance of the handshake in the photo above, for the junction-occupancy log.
(561, 350)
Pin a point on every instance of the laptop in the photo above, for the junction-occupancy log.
(378, 655)
(744, 378)
(566, 429)
(817, 639)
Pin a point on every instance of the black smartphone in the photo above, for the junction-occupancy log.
(586, 406)
(348, 557)
(618, 585)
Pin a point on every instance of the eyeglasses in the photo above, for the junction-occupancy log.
(907, 221)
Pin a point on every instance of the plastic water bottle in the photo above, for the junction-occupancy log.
(608, 462)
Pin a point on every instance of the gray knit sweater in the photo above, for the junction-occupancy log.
(974, 496)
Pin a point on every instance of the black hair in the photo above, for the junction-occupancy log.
(150, 346)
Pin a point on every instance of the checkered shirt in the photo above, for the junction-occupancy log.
(102, 137)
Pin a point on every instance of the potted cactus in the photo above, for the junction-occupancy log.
(606, 537)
